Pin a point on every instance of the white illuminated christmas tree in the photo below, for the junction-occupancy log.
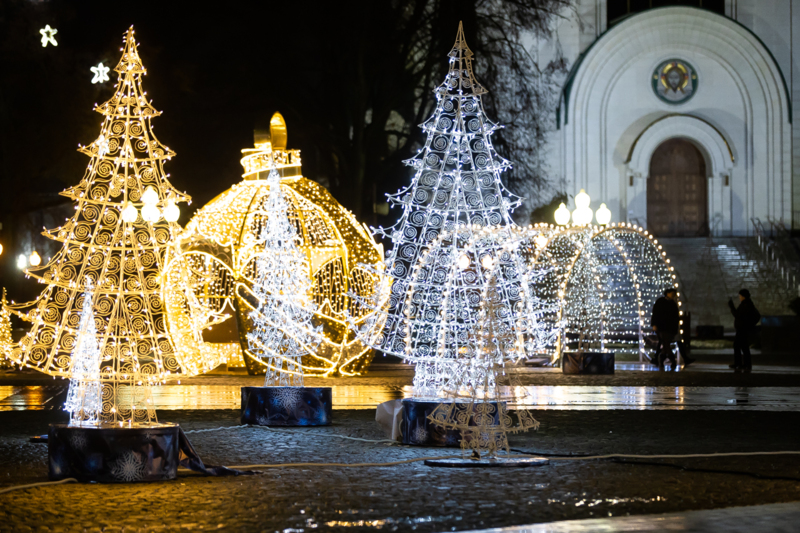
(84, 398)
(471, 315)
(456, 187)
(283, 331)
(481, 385)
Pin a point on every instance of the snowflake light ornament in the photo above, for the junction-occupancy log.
(288, 397)
(100, 73)
(48, 36)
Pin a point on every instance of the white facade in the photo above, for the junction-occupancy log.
(739, 117)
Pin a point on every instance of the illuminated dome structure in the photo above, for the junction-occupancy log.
(605, 279)
(214, 270)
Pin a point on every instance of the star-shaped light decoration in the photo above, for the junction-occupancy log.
(47, 36)
(100, 73)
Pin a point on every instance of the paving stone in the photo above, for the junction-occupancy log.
(413, 496)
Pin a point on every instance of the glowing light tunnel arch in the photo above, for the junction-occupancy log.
(611, 276)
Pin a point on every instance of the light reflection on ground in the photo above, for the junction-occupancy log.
(31, 397)
(562, 397)
(753, 519)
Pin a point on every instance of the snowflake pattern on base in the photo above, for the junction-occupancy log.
(128, 467)
(286, 406)
(420, 434)
(287, 397)
(78, 440)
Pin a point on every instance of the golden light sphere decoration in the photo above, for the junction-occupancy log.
(217, 254)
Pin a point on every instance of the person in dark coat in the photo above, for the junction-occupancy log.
(665, 321)
(745, 319)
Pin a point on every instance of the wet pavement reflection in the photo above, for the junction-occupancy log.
(754, 519)
(561, 397)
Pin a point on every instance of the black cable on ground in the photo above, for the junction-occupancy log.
(708, 470)
(542, 454)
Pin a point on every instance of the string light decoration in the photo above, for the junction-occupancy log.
(460, 299)
(100, 73)
(445, 308)
(84, 396)
(283, 332)
(456, 184)
(48, 36)
(188, 316)
(470, 312)
(220, 245)
(606, 280)
(120, 256)
(6, 339)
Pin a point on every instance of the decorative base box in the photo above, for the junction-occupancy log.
(112, 454)
(587, 363)
(287, 406)
(416, 429)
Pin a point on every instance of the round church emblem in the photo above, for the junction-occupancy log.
(675, 81)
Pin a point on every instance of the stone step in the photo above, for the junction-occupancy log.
(712, 270)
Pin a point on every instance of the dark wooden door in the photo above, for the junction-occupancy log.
(677, 191)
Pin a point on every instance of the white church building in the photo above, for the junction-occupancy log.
(679, 118)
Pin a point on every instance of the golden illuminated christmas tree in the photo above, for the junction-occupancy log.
(125, 214)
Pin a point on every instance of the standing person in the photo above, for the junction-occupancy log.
(745, 318)
(665, 321)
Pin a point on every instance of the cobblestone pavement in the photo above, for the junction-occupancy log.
(414, 496)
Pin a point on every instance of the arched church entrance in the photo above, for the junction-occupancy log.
(677, 192)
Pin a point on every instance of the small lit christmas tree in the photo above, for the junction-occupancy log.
(584, 312)
(483, 381)
(84, 400)
(283, 330)
(456, 187)
(471, 316)
(6, 340)
(125, 214)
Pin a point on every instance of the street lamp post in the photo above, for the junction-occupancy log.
(583, 214)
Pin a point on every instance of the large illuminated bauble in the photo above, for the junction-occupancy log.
(220, 243)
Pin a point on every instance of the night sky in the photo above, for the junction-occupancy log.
(216, 73)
